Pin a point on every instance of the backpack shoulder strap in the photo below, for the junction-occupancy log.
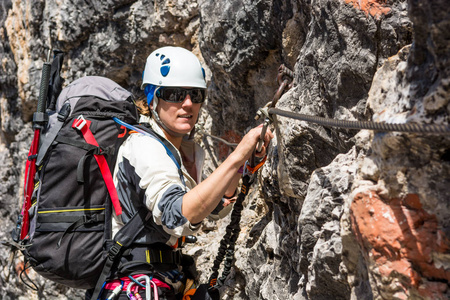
(83, 125)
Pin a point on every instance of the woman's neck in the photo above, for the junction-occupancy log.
(189, 165)
(175, 140)
(172, 136)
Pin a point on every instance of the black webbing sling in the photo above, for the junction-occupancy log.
(227, 244)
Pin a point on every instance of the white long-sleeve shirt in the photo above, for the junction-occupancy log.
(144, 172)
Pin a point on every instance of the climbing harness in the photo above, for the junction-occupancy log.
(132, 285)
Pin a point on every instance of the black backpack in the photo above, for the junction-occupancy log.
(69, 238)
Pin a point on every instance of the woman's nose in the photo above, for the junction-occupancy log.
(187, 100)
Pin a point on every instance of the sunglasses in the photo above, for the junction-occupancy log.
(177, 94)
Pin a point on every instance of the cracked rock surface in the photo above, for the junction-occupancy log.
(335, 213)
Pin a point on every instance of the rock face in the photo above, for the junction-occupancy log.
(336, 213)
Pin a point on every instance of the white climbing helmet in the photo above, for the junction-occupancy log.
(173, 66)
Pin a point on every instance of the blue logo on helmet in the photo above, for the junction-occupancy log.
(165, 68)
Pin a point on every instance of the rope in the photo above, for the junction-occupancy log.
(408, 127)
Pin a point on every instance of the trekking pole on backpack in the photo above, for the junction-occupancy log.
(40, 118)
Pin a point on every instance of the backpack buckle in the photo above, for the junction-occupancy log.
(114, 251)
(90, 219)
(79, 122)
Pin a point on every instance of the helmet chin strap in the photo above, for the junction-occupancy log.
(160, 123)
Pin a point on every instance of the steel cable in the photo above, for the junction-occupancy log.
(202, 132)
(407, 127)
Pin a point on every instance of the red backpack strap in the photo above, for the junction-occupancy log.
(83, 125)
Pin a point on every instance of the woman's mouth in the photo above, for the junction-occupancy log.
(185, 116)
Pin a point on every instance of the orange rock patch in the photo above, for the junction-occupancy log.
(375, 8)
(400, 236)
(223, 149)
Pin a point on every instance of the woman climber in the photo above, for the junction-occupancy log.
(145, 174)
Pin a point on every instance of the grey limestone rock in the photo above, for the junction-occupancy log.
(385, 61)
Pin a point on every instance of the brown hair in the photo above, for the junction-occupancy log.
(142, 106)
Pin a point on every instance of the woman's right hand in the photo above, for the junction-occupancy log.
(199, 202)
(245, 148)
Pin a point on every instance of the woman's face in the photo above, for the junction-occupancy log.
(179, 117)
